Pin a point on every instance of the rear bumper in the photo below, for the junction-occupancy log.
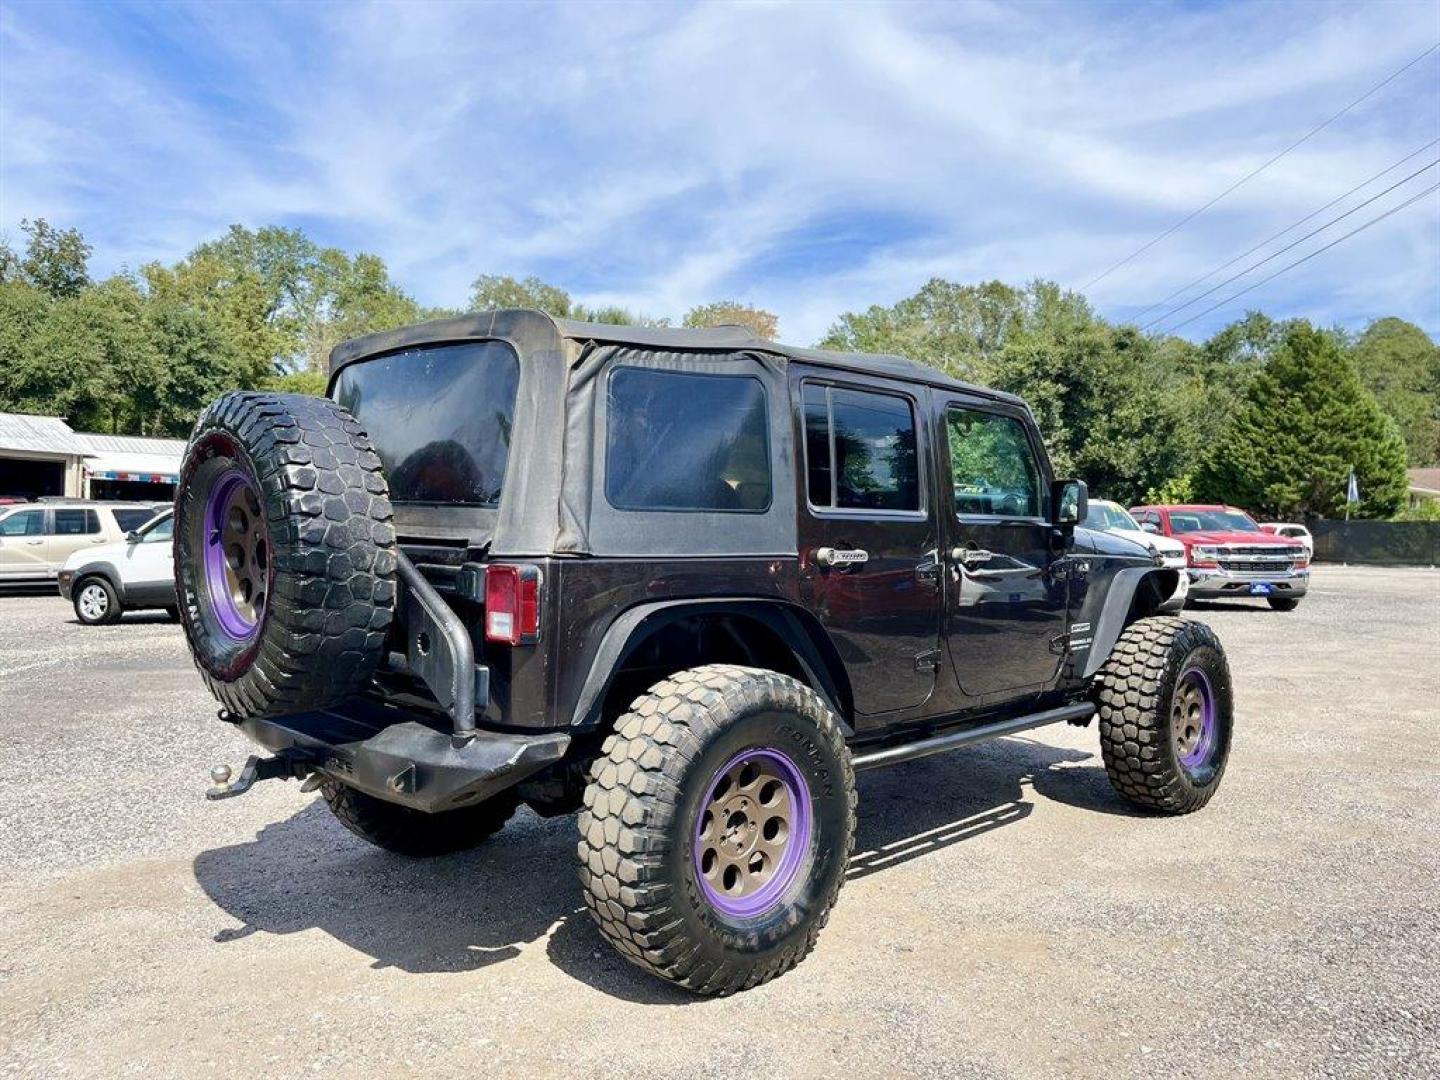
(386, 753)
(1218, 584)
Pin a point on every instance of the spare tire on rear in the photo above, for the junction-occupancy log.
(284, 553)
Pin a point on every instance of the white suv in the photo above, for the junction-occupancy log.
(1293, 531)
(37, 538)
(1106, 516)
(138, 572)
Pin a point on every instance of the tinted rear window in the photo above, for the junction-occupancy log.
(76, 522)
(440, 418)
(129, 520)
(682, 441)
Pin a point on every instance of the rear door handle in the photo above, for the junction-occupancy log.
(971, 558)
(828, 556)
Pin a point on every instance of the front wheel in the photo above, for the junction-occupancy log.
(717, 827)
(1166, 714)
(1284, 603)
(96, 603)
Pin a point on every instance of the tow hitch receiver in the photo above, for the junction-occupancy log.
(286, 765)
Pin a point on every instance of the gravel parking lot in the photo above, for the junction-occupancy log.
(1005, 915)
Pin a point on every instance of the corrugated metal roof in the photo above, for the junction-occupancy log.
(131, 444)
(39, 435)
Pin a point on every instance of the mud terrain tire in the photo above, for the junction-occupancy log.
(670, 795)
(413, 832)
(1166, 714)
(285, 554)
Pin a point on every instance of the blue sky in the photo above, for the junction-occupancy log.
(809, 158)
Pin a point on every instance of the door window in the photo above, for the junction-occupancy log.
(162, 530)
(76, 522)
(24, 523)
(993, 470)
(860, 450)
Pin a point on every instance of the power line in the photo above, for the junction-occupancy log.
(1251, 175)
(1358, 229)
(1288, 247)
(1276, 236)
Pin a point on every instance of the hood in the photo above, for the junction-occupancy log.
(1163, 544)
(1227, 536)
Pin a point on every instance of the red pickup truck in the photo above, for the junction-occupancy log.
(1229, 556)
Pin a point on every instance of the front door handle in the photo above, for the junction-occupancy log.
(828, 556)
(971, 558)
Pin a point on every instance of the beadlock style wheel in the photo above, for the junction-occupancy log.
(717, 826)
(754, 832)
(1165, 709)
(236, 556)
(1192, 719)
(284, 553)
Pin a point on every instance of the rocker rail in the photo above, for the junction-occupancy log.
(939, 744)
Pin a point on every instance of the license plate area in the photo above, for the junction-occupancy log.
(1261, 588)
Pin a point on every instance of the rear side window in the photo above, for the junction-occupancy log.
(129, 520)
(23, 523)
(860, 450)
(76, 522)
(686, 441)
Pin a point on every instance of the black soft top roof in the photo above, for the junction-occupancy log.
(718, 338)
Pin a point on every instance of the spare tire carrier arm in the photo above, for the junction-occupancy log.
(439, 649)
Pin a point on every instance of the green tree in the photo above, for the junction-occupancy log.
(493, 292)
(1400, 365)
(56, 261)
(1305, 421)
(763, 324)
(959, 329)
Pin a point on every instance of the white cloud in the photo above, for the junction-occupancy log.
(660, 157)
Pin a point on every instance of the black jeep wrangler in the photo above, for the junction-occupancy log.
(686, 582)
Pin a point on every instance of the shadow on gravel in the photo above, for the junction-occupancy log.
(468, 911)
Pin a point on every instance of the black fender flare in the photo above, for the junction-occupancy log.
(1115, 615)
(632, 627)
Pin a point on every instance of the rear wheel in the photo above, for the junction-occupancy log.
(1284, 603)
(717, 826)
(1166, 714)
(284, 551)
(95, 602)
(413, 832)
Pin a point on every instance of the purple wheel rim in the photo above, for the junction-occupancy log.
(236, 556)
(773, 767)
(1195, 750)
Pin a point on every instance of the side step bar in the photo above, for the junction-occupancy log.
(939, 744)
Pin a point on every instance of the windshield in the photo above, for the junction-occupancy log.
(440, 419)
(1188, 521)
(1105, 517)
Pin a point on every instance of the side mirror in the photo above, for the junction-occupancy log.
(132, 537)
(1069, 502)
(1150, 526)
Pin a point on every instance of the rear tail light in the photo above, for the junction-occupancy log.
(512, 604)
(1201, 557)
